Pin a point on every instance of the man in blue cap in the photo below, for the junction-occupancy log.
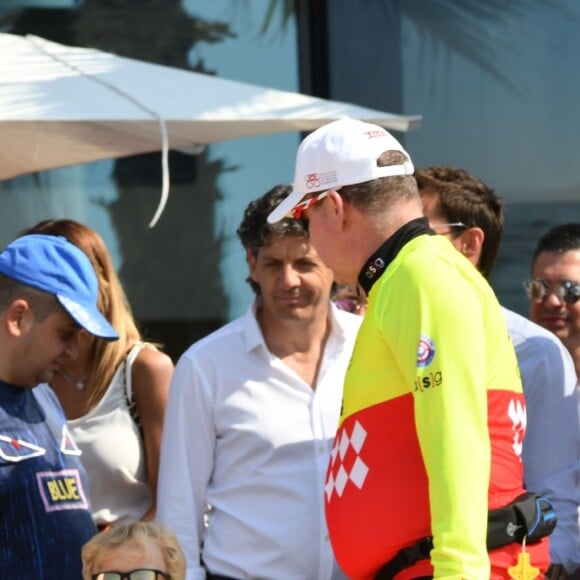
(48, 296)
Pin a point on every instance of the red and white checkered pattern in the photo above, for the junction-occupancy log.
(345, 461)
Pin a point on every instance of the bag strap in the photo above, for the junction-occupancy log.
(529, 516)
(128, 378)
(405, 558)
(128, 383)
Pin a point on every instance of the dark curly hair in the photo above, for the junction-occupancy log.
(255, 231)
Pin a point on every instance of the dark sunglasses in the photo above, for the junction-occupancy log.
(138, 574)
(565, 290)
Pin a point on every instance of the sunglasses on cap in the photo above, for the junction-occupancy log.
(138, 574)
(298, 210)
(565, 290)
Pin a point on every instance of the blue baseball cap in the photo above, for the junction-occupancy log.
(54, 265)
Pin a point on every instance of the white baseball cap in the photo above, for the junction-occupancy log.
(343, 152)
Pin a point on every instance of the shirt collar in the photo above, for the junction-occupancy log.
(379, 261)
(253, 336)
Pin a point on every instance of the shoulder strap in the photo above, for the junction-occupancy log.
(129, 360)
(128, 384)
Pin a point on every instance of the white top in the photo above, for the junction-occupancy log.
(244, 433)
(551, 452)
(113, 454)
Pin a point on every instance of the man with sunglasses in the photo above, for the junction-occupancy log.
(433, 413)
(554, 290)
(464, 209)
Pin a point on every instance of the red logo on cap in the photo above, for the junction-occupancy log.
(312, 180)
(375, 133)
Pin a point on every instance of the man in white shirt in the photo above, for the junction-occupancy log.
(470, 214)
(252, 412)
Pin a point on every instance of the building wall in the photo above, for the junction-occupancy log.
(187, 276)
(496, 83)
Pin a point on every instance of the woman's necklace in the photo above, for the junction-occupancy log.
(80, 384)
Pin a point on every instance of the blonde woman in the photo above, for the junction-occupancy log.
(114, 396)
(134, 551)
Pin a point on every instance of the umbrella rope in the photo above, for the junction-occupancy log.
(162, 126)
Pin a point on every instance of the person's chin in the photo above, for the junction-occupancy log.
(46, 377)
(296, 312)
(561, 330)
(29, 384)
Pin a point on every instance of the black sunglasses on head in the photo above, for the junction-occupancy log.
(539, 289)
(138, 574)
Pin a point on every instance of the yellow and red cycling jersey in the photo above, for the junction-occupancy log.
(433, 419)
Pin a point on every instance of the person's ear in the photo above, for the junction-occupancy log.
(15, 317)
(335, 210)
(471, 242)
(251, 258)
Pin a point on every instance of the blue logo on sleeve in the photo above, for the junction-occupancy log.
(425, 352)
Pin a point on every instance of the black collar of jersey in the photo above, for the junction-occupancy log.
(379, 261)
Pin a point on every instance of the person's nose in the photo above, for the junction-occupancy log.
(289, 277)
(551, 300)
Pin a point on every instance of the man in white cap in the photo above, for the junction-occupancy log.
(426, 463)
(48, 296)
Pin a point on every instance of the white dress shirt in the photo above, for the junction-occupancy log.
(245, 434)
(551, 452)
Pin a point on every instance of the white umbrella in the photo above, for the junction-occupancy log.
(62, 105)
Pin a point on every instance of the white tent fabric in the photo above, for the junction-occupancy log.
(62, 105)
